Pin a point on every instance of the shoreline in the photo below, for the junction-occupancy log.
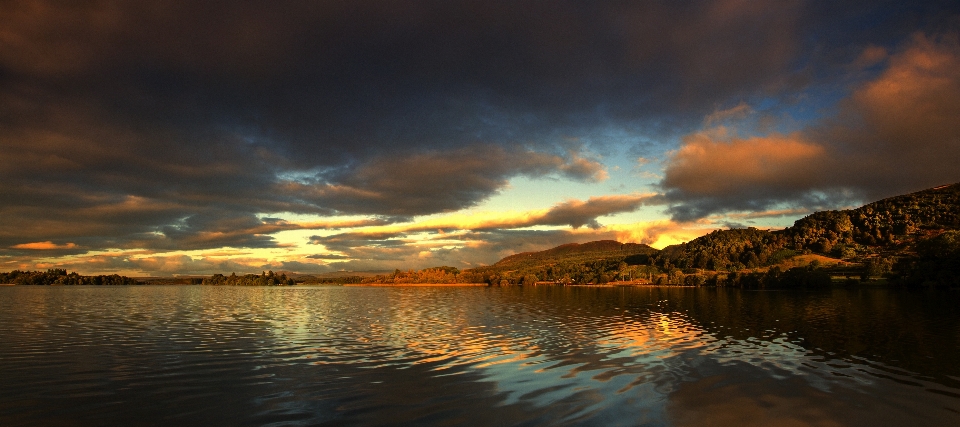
(410, 285)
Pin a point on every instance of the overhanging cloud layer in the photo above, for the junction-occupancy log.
(184, 126)
(895, 133)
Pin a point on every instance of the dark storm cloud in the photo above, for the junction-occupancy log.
(576, 213)
(434, 181)
(346, 241)
(894, 134)
(165, 123)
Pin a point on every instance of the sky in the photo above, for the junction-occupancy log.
(191, 138)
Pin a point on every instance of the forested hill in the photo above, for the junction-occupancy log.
(909, 238)
(892, 222)
(594, 262)
(894, 233)
(579, 250)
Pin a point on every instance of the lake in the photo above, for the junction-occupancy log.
(517, 356)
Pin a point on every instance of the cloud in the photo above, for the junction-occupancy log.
(182, 125)
(248, 231)
(348, 241)
(435, 181)
(871, 55)
(463, 249)
(480, 238)
(326, 256)
(468, 249)
(705, 166)
(576, 213)
(899, 132)
(486, 240)
(791, 212)
(336, 224)
(573, 213)
(48, 245)
(584, 169)
(641, 164)
(708, 174)
(660, 234)
(737, 112)
(894, 134)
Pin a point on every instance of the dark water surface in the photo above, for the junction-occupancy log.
(156, 355)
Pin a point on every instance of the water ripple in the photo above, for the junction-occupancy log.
(473, 356)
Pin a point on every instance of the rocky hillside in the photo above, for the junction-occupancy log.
(885, 234)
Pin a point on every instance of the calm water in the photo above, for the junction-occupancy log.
(339, 356)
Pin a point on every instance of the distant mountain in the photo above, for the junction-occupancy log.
(593, 262)
(600, 248)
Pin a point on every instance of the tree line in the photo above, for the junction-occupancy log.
(59, 276)
(266, 278)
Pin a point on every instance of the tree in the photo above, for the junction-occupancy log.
(937, 263)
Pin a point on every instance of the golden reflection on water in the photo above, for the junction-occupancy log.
(536, 355)
(540, 353)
